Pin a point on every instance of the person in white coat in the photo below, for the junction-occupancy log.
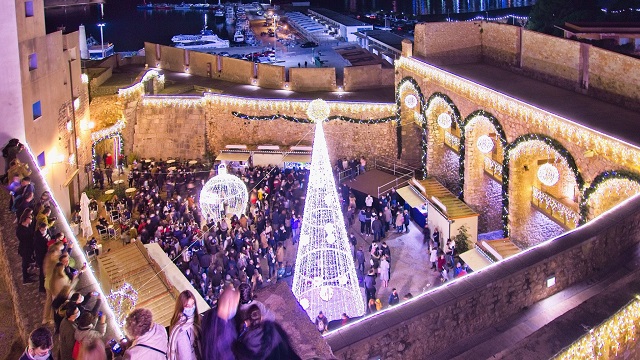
(184, 329)
(148, 339)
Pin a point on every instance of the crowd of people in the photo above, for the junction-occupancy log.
(165, 210)
(240, 327)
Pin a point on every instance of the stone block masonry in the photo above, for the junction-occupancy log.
(448, 314)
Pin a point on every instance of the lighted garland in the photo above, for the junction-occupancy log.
(597, 182)
(402, 84)
(555, 145)
(502, 137)
(609, 339)
(107, 137)
(123, 300)
(307, 121)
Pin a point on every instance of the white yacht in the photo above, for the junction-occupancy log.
(205, 40)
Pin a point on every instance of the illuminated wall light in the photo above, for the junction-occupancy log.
(551, 281)
(69, 234)
(485, 144)
(69, 126)
(78, 142)
(72, 159)
(254, 81)
(548, 174)
(84, 78)
(613, 149)
(57, 157)
(186, 69)
(76, 103)
(411, 101)
(444, 120)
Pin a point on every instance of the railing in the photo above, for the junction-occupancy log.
(452, 141)
(493, 168)
(403, 173)
(555, 209)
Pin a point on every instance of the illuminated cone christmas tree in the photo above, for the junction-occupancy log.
(325, 275)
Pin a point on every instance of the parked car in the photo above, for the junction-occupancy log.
(309, 44)
(272, 57)
(224, 53)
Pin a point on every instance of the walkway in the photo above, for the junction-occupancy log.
(554, 323)
(384, 94)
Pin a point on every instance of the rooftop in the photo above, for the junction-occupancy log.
(339, 18)
(607, 118)
(601, 27)
(387, 37)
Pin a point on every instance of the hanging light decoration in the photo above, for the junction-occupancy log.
(444, 120)
(548, 174)
(325, 276)
(411, 101)
(318, 110)
(223, 194)
(485, 144)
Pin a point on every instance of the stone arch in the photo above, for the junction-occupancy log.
(482, 191)
(443, 162)
(519, 168)
(622, 185)
(410, 84)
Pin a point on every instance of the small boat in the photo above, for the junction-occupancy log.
(218, 13)
(145, 6)
(201, 6)
(238, 36)
(183, 7)
(163, 7)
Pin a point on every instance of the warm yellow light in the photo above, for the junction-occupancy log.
(548, 174)
(444, 120)
(84, 78)
(318, 110)
(485, 144)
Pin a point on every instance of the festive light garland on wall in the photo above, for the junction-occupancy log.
(549, 202)
(538, 119)
(599, 181)
(112, 131)
(123, 300)
(410, 84)
(512, 149)
(609, 339)
(494, 166)
(137, 89)
(307, 121)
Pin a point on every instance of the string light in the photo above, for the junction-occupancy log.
(609, 339)
(628, 183)
(137, 89)
(444, 120)
(410, 101)
(325, 275)
(485, 144)
(547, 201)
(123, 301)
(537, 119)
(114, 131)
(223, 194)
(318, 110)
(548, 174)
(111, 130)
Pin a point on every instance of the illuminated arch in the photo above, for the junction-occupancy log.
(556, 146)
(598, 181)
(501, 136)
(402, 84)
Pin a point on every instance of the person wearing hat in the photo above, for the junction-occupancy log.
(90, 327)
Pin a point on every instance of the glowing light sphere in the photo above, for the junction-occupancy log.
(548, 174)
(485, 144)
(318, 110)
(223, 194)
(444, 120)
(411, 101)
(325, 276)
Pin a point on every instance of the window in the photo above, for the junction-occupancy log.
(37, 110)
(41, 160)
(33, 61)
(28, 8)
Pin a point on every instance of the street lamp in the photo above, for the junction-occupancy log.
(101, 25)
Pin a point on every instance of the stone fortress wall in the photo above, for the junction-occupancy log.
(566, 63)
(265, 75)
(187, 127)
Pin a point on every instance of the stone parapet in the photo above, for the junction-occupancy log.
(472, 303)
